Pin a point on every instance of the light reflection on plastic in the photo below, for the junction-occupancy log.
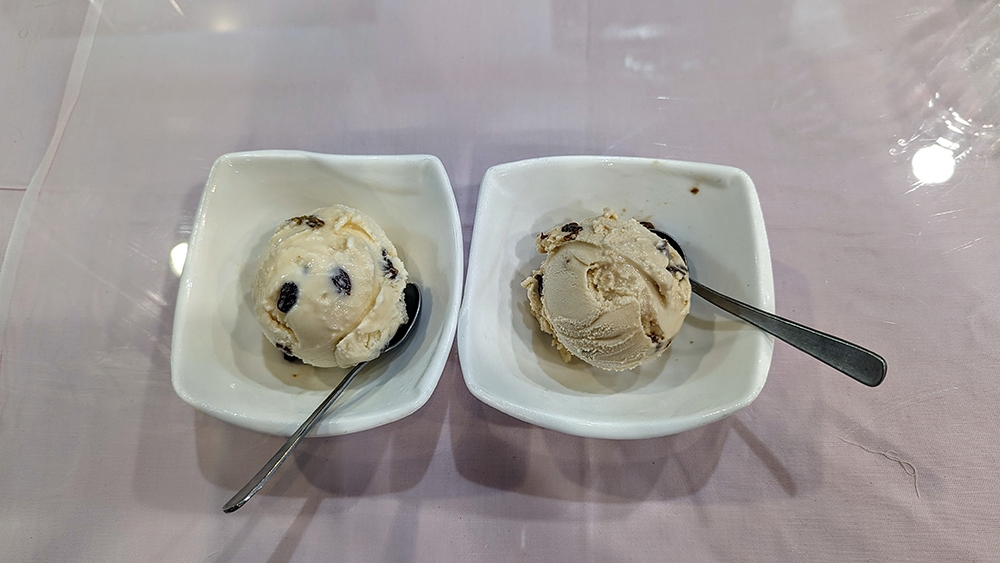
(177, 256)
(224, 25)
(933, 164)
(641, 32)
(637, 65)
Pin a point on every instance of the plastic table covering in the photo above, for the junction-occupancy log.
(868, 128)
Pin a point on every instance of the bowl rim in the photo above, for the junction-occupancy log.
(444, 337)
(764, 299)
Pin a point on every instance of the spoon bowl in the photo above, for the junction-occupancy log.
(411, 298)
(854, 361)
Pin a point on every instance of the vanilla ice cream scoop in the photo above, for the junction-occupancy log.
(329, 288)
(610, 292)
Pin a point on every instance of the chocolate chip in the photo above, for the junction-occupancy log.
(538, 286)
(286, 353)
(677, 269)
(287, 297)
(664, 248)
(571, 230)
(543, 236)
(647, 224)
(388, 269)
(658, 340)
(311, 221)
(694, 190)
(342, 281)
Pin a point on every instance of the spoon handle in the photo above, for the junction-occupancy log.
(272, 465)
(861, 364)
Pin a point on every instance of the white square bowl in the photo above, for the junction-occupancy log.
(716, 364)
(221, 363)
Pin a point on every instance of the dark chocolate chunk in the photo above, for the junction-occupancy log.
(658, 340)
(538, 280)
(286, 353)
(342, 281)
(287, 297)
(311, 221)
(694, 190)
(677, 268)
(543, 236)
(388, 269)
(664, 249)
(647, 224)
(571, 230)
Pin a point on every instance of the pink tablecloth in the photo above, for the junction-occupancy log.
(868, 129)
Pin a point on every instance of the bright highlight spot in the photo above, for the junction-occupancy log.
(177, 256)
(224, 25)
(933, 164)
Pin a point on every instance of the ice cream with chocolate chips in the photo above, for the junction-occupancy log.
(329, 288)
(610, 292)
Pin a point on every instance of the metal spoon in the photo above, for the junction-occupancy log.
(411, 296)
(861, 364)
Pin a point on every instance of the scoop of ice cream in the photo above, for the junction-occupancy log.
(609, 292)
(329, 288)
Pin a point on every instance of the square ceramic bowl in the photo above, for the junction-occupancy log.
(220, 361)
(716, 364)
